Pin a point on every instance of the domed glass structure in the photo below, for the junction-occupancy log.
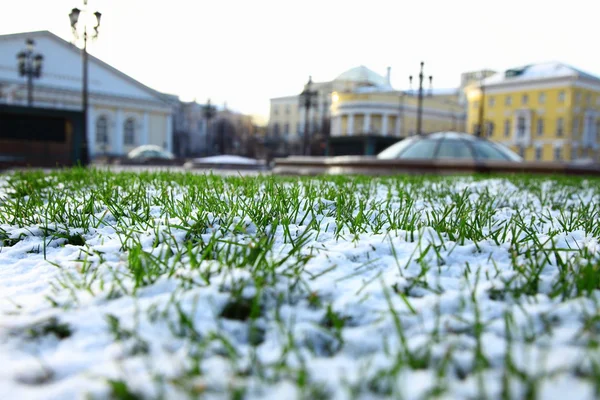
(448, 146)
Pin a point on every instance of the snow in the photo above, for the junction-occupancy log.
(540, 71)
(349, 273)
(226, 159)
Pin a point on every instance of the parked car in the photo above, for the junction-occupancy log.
(148, 152)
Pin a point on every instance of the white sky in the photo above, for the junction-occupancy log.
(247, 51)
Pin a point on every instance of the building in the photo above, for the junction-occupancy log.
(359, 112)
(122, 114)
(229, 131)
(545, 112)
(469, 79)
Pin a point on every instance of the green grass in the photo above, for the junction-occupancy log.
(253, 244)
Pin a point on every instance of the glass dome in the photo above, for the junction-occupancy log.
(448, 146)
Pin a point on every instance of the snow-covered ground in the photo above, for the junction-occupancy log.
(227, 159)
(185, 285)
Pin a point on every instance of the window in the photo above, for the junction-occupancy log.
(525, 99)
(275, 129)
(522, 151)
(286, 129)
(557, 154)
(588, 99)
(560, 126)
(489, 127)
(506, 127)
(275, 110)
(491, 102)
(287, 109)
(538, 153)
(129, 132)
(540, 127)
(521, 127)
(577, 98)
(542, 98)
(589, 125)
(507, 101)
(561, 96)
(576, 126)
(598, 131)
(102, 130)
(574, 153)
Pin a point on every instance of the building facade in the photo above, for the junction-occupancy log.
(226, 132)
(122, 114)
(372, 111)
(545, 112)
(361, 102)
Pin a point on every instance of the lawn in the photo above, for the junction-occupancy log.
(172, 285)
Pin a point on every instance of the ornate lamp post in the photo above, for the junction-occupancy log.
(74, 18)
(420, 98)
(306, 99)
(30, 65)
(481, 122)
(209, 112)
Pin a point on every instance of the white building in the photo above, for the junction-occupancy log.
(122, 114)
(287, 114)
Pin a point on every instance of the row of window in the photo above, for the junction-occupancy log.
(287, 108)
(508, 99)
(102, 131)
(557, 154)
(539, 127)
(286, 128)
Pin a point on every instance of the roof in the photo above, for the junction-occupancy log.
(362, 74)
(165, 97)
(546, 70)
(434, 92)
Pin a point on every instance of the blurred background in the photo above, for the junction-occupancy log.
(82, 81)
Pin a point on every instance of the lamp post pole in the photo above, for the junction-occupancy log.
(30, 65)
(480, 123)
(74, 18)
(306, 97)
(420, 98)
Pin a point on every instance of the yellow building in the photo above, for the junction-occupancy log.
(361, 102)
(545, 112)
(376, 111)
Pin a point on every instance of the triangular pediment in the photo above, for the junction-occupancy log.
(62, 68)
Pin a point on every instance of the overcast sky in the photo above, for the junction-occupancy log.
(247, 51)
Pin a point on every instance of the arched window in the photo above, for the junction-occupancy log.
(102, 130)
(129, 136)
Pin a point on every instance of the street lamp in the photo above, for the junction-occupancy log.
(74, 19)
(420, 97)
(481, 121)
(306, 100)
(209, 112)
(30, 65)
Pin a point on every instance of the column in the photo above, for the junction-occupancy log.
(144, 132)
(338, 126)
(91, 131)
(398, 126)
(367, 123)
(350, 125)
(117, 140)
(384, 124)
(169, 133)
